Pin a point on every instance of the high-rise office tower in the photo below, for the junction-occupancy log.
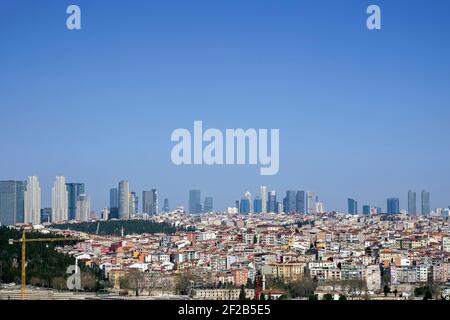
(425, 197)
(32, 201)
(310, 202)
(291, 202)
(124, 199)
(195, 204)
(272, 205)
(11, 202)
(300, 199)
(150, 202)
(74, 190)
(412, 202)
(264, 199)
(244, 207)
(113, 203)
(208, 205)
(83, 208)
(366, 209)
(155, 202)
(257, 205)
(393, 206)
(166, 207)
(352, 206)
(60, 200)
(248, 196)
(133, 202)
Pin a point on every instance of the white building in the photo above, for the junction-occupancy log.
(446, 244)
(32, 201)
(83, 208)
(373, 278)
(60, 200)
(124, 200)
(264, 199)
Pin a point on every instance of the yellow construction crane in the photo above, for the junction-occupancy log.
(24, 242)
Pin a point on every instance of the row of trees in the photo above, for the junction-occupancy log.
(114, 227)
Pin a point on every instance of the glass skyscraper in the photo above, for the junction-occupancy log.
(393, 206)
(208, 204)
(257, 205)
(352, 206)
(195, 203)
(12, 202)
(412, 202)
(290, 204)
(244, 206)
(425, 197)
(74, 190)
(113, 204)
(150, 202)
(300, 199)
(166, 207)
(366, 209)
(272, 205)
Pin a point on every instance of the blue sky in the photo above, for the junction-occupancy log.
(362, 114)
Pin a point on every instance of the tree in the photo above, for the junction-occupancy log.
(386, 290)
(133, 280)
(328, 297)
(342, 298)
(242, 295)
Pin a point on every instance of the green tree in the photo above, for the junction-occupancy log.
(328, 297)
(242, 295)
(386, 290)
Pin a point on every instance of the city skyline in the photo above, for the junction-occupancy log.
(123, 202)
(350, 103)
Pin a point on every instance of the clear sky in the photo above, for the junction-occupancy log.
(362, 114)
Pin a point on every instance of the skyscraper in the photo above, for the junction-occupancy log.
(32, 201)
(264, 199)
(412, 201)
(425, 197)
(83, 208)
(11, 202)
(150, 202)
(272, 203)
(208, 205)
(124, 199)
(257, 205)
(244, 207)
(133, 203)
(310, 202)
(166, 207)
(352, 206)
(366, 209)
(195, 204)
(113, 203)
(74, 190)
(393, 206)
(60, 200)
(300, 199)
(291, 202)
